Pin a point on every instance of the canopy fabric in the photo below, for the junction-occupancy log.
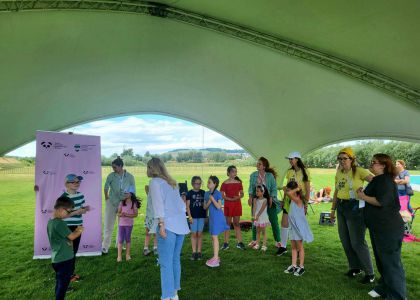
(65, 67)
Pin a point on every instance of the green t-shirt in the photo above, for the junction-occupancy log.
(61, 246)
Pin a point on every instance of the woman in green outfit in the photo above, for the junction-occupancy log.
(267, 176)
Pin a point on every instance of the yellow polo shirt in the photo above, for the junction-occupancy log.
(342, 182)
(291, 175)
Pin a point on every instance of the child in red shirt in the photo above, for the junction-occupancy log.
(232, 191)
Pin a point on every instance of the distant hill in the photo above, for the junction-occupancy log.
(8, 160)
(9, 163)
(210, 150)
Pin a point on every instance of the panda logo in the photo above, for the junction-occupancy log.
(46, 145)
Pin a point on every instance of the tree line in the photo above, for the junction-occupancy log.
(327, 157)
(193, 156)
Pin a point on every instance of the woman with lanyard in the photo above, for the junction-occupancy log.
(116, 183)
(267, 176)
(386, 227)
(300, 174)
(351, 227)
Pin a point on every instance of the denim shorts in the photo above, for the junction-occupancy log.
(197, 225)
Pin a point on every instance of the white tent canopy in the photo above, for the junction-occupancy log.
(274, 76)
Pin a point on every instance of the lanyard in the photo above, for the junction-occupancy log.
(296, 177)
(350, 181)
(261, 179)
(122, 180)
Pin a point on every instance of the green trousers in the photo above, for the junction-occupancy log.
(274, 220)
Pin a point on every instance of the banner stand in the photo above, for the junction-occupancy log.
(57, 155)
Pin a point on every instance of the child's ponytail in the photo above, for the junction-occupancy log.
(215, 181)
(135, 201)
(229, 169)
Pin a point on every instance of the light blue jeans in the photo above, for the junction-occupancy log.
(169, 250)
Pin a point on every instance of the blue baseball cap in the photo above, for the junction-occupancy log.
(73, 177)
(130, 189)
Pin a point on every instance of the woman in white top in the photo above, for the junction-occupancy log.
(169, 210)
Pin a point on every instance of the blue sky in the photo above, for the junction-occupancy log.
(154, 133)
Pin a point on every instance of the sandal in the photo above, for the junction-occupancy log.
(252, 244)
(256, 247)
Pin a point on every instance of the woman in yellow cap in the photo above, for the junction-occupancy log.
(351, 227)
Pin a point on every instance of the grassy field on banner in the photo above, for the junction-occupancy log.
(242, 275)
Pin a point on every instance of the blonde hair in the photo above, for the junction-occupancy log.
(157, 169)
(401, 162)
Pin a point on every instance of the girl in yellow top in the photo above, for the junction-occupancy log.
(299, 174)
(351, 227)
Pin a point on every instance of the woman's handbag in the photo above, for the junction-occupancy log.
(409, 190)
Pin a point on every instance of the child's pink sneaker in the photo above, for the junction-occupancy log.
(213, 263)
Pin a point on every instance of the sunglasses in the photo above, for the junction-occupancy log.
(73, 182)
(68, 210)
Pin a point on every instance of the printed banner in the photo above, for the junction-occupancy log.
(57, 155)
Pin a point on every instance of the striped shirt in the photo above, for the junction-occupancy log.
(79, 201)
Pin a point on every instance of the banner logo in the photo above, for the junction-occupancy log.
(45, 172)
(46, 145)
(77, 147)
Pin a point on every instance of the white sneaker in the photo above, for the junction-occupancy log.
(175, 298)
(374, 294)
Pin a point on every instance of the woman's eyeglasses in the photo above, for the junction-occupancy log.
(342, 158)
(374, 163)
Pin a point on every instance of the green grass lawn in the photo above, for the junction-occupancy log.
(242, 275)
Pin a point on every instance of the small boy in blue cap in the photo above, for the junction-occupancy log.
(74, 219)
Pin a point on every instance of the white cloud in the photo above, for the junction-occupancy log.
(156, 134)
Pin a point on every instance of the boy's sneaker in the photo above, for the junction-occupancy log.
(281, 251)
(290, 269)
(155, 252)
(225, 246)
(240, 246)
(146, 251)
(213, 263)
(374, 294)
(299, 271)
(368, 279)
(74, 278)
(353, 272)
(193, 256)
(199, 256)
(104, 251)
(70, 289)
